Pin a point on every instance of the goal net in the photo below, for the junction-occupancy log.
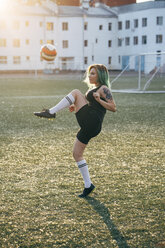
(143, 73)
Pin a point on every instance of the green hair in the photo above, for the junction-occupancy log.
(103, 75)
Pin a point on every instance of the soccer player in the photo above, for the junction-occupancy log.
(90, 111)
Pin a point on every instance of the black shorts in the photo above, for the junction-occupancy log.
(90, 122)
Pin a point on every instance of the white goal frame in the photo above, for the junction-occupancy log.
(152, 69)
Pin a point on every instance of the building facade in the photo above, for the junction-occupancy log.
(82, 34)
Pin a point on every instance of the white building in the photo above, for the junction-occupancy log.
(83, 35)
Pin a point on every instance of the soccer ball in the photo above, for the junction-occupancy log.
(48, 52)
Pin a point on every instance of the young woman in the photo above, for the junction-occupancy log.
(90, 111)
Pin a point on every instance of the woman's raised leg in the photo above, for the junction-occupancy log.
(74, 97)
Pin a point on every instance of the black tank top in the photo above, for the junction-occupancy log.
(93, 103)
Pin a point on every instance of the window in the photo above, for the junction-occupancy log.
(144, 22)
(16, 59)
(26, 23)
(65, 26)
(100, 27)
(127, 41)
(119, 25)
(144, 39)
(16, 43)
(3, 59)
(27, 42)
(16, 25)
(85, 43)
(85, 60)
(109, 26)
(159, 20)
(49, 26)
(50, 42)
(2, 42)
(65, 43)
(119, 42)
(109, 43)
(127, 24)
(2, 24)
(135, 40)
(109, 60)
(136, 23)
(85, 26)
(159, 38)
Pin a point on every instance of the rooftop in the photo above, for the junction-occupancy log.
(139, 6)
(100, 11)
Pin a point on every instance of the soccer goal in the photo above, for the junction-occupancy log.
(143, 73)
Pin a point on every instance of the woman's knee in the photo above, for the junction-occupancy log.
(76, 155)
(76, 92)
(78, 150)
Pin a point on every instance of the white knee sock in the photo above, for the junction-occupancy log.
(64, 103)
(83, 167)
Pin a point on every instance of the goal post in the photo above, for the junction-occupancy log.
(143, 73)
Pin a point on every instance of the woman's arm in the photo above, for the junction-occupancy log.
(105, 93)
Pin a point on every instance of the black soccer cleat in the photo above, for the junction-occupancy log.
(87, 191)
(45, 114)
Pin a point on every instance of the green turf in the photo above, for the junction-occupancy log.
(40, 182)
(131, 82)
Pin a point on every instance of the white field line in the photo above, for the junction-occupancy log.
(33, 97)
(139, 91)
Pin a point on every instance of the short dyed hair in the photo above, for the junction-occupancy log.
(103, 74)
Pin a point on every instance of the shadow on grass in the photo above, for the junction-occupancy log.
(104, 213)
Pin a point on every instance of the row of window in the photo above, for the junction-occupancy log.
(16, 25)
(86, 60)
(17, 42)
(158, 40)
(17, 59)
(159, 21)
(65, 43)
(65, 25)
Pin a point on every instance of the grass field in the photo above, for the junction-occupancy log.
(40, 181)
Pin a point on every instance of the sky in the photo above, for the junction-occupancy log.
(139, 1)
